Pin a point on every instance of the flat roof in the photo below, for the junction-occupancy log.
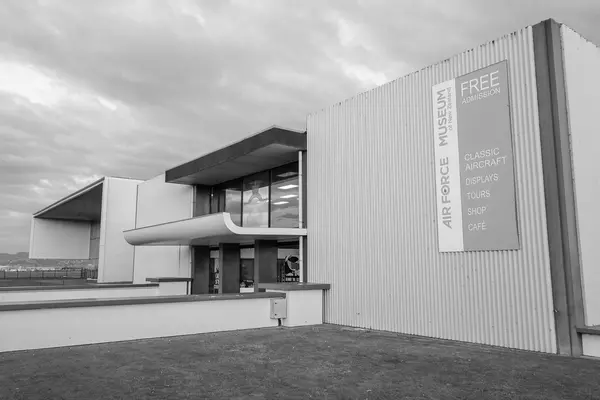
(268, 149)
(82, 205)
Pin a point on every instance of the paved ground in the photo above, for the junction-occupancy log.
(326, 362)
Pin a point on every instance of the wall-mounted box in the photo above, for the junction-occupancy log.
(278, 309)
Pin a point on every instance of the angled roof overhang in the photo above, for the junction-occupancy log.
(265, 150)
(82, 205)
(207, 230)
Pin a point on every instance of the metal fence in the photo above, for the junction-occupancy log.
(71, 273)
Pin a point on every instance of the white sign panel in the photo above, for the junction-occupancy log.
(447, 167)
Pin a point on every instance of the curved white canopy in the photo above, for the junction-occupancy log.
(209, 229)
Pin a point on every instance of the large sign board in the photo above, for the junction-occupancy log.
(474, 171)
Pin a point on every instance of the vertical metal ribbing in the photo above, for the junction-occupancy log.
(371, 212)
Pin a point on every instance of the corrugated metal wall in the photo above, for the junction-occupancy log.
(372, 209)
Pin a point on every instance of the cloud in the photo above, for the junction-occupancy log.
(130, 88)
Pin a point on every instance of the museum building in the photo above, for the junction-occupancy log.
(456, 202)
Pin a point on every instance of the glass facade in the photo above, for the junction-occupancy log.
(266, 199)
(228, 198)
(213, 277)
(285, 192)
(246, 273)
(255, 209)
(288, 265)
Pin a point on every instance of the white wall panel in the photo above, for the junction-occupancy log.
(372, 215)
(95, 242)
(159, 202)
(591, 345)
(582, 81)
(115, 263)
(56, 239)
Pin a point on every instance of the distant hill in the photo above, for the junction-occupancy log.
(6, 257)
(22, 260)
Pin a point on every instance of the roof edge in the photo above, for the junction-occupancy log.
(273, 135)
(234, 142)
(70, 197)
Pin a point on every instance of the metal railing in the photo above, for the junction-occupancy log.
(71, 273)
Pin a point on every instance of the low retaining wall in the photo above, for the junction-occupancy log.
(590, 340)
(55, 293)
(591, 345)
(172, 286)
(40, 325)
(304, 302)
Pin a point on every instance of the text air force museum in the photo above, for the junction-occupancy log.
(457, 202)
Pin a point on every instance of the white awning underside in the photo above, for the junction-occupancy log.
(205, 231)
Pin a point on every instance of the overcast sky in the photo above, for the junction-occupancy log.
(130, 88)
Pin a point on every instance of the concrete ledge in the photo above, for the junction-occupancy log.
(77, 287)
(589, 330)
(168, 279)
(288, 287)
(133, 301)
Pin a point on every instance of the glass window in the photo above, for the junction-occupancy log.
(213, 280)
(246, 273)
(285, 199)
(288, 261)
(256, 201)
(217, 200)
(228, 198)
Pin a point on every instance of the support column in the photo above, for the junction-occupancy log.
(304, 200)
(265, 262)
(304, 257)
(201, 270)
(229, 260)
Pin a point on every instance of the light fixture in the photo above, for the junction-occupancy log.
(289, 196)
(278, 203)
(286, 187)
(286, 174)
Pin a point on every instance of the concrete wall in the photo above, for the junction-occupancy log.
(37, 329)
(173, 288)
(372, 230)
(115, 262)
(26, 295)
(591, 345)
(582, 81)
(55, 239)
(159, 202)
(95, 242)
(304, 307)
